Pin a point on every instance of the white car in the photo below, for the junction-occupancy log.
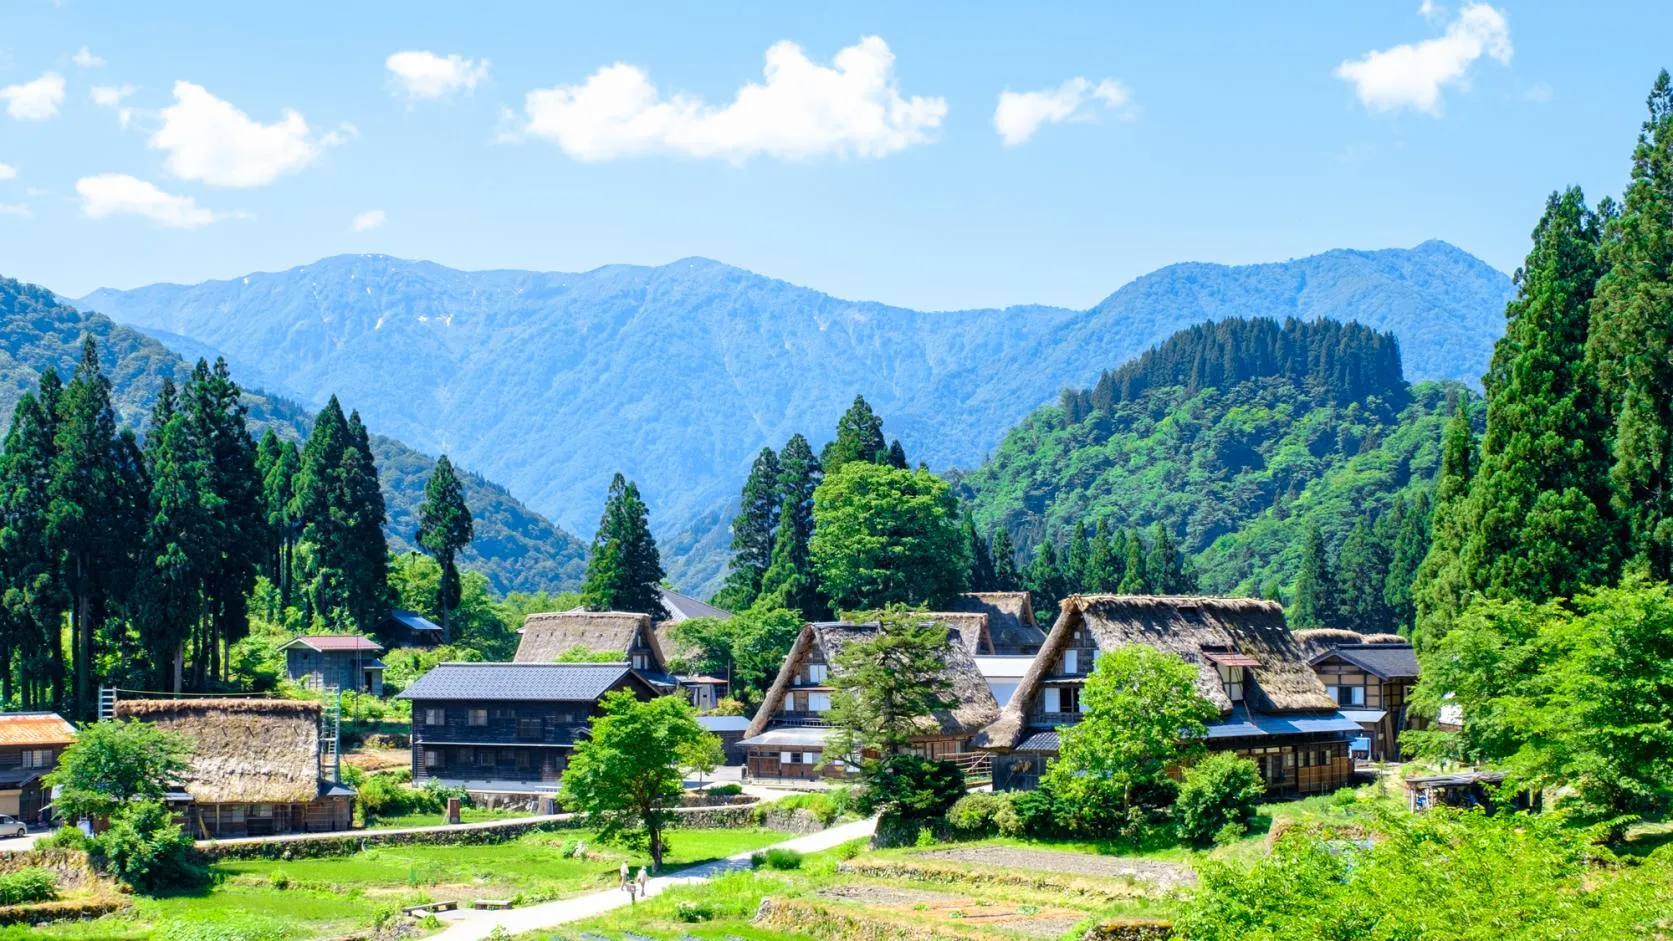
(11, 826)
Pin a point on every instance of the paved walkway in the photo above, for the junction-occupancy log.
(473, 925)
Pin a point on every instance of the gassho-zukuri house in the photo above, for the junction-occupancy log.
(255, 769)
(548, 636)
(786, 739)
(1273, 707)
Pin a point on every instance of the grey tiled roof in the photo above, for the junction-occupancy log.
(1388, 661)
(534, 682)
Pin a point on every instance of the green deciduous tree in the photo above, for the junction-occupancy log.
(1219, 791)
(625, 569)
(884, 536)
(1631, 346)
(113, 763)
(626, 775)
(444, 528)
(747, 648)
(1140, 715)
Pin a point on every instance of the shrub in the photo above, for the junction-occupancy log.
(820, 804)
(568, 850)
(783, 859)
(1219, 791)
(728, 706)
(1006, 820)
(145, 848)
(973, 814)
(279, 880)
(64, 838)
(725, 790)
(28, 885)
(689, 911)
(1344, 797)
(1035, 812)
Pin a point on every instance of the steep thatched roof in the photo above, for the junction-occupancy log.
(1193, 628)
(261, 751)
(1317, 640)
(976, 706)
(546, 636)
(970, 627)
(1010, 617)
(672, 647)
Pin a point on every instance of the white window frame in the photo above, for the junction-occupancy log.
(1071, 661)
(37, 758)
(1335, 694)
(810, 758)
(817, 673)
(1356, 695)
(818, 702)
(786, 758)
(1053, 701)
(432, 759)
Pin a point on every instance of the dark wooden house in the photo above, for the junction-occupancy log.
(345, 661)
(1371, 677)
(30, 743)
(508, 726)
(786, 739)
(1273, 709)
(255, 768)
(1011, 627)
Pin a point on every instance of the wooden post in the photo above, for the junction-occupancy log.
(453, 810)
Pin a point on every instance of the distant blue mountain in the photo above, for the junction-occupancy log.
(676, 375)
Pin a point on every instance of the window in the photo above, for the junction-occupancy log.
(816, 674)
(37, 758)
(818, 702)
(432, 759)
(1071, 661)
(528, 728)
(1347, 695)
(465, 756)
(435, 717)
(1232, 679)
(1071, 699)
(522, 760)
(810, 758)
(478, 717)
(787, 758)
(640, 661)
(1053, 701)
(485, 757)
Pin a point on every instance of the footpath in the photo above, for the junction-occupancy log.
(475, 925)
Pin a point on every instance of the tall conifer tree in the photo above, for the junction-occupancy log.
(982, 576)
(624, 572)
(859, 437)
(180, 540)
(1631, 342)
(362, 497)
(445, 529)
(1440, 590)
(752, 533)
(33, 600)
(789, 581)
(1315, 601)
(1004, 555)
(1410, 543)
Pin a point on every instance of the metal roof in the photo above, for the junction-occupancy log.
(414, 621)
(723, 723)
(332, 643)
(35, 728)
(1386, 661)
(1242, 724)
(1041, 742)
(791, 736)
(532, 682)
(1458, 778)
(684, 607)
(1365, 715)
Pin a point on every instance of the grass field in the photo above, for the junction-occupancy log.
(269, 900)
(466, 815)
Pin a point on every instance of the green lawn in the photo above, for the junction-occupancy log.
(268, 900)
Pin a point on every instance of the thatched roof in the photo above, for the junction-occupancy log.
(1317, 640)
(1192, 627)
(1010, 617)
(970, 627)
(261, 751)
(35, 729)
(672, 647)
(976, 706)
(546, 636)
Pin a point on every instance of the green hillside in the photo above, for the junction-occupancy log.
(1236, 436)
(515, 547)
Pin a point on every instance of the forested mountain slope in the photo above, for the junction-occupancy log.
(677, 375)
(515, 547)
(1236, 436)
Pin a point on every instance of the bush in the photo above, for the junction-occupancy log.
(973, 814)
(569, 848)
(819, 803)
(725, 790)
(783, 859)
(689, 911)
(64, 838)
(1219, 792)
(28, 885)
(1006, 820)
(145, 849)
(1035, 812)
(728, 706)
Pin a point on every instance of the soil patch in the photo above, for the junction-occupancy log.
(945, 908)
(1165, 875)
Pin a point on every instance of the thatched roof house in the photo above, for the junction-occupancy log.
(971, 629)
(825, 642)
(1371, 676)
(548, 636)
(1249, 665)
(243, 750)
(1010, 614)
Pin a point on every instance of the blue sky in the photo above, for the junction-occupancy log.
(240, 137)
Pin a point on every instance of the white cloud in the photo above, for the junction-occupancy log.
(427, 75)
(111, 96)
(20, 210)
(209, 140)
(7, 172)
(803, 109)
(368, 220)
(1020, 114)
(85, 58)
(1412, 75)
(112, 194)
(34, 101)
(1427, 9)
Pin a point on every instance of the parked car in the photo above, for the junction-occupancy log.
(11, 826)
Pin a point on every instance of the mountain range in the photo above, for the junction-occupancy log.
(676, 375)
(515, 547)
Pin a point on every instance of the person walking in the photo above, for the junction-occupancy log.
(644, 879)
(624, 876)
